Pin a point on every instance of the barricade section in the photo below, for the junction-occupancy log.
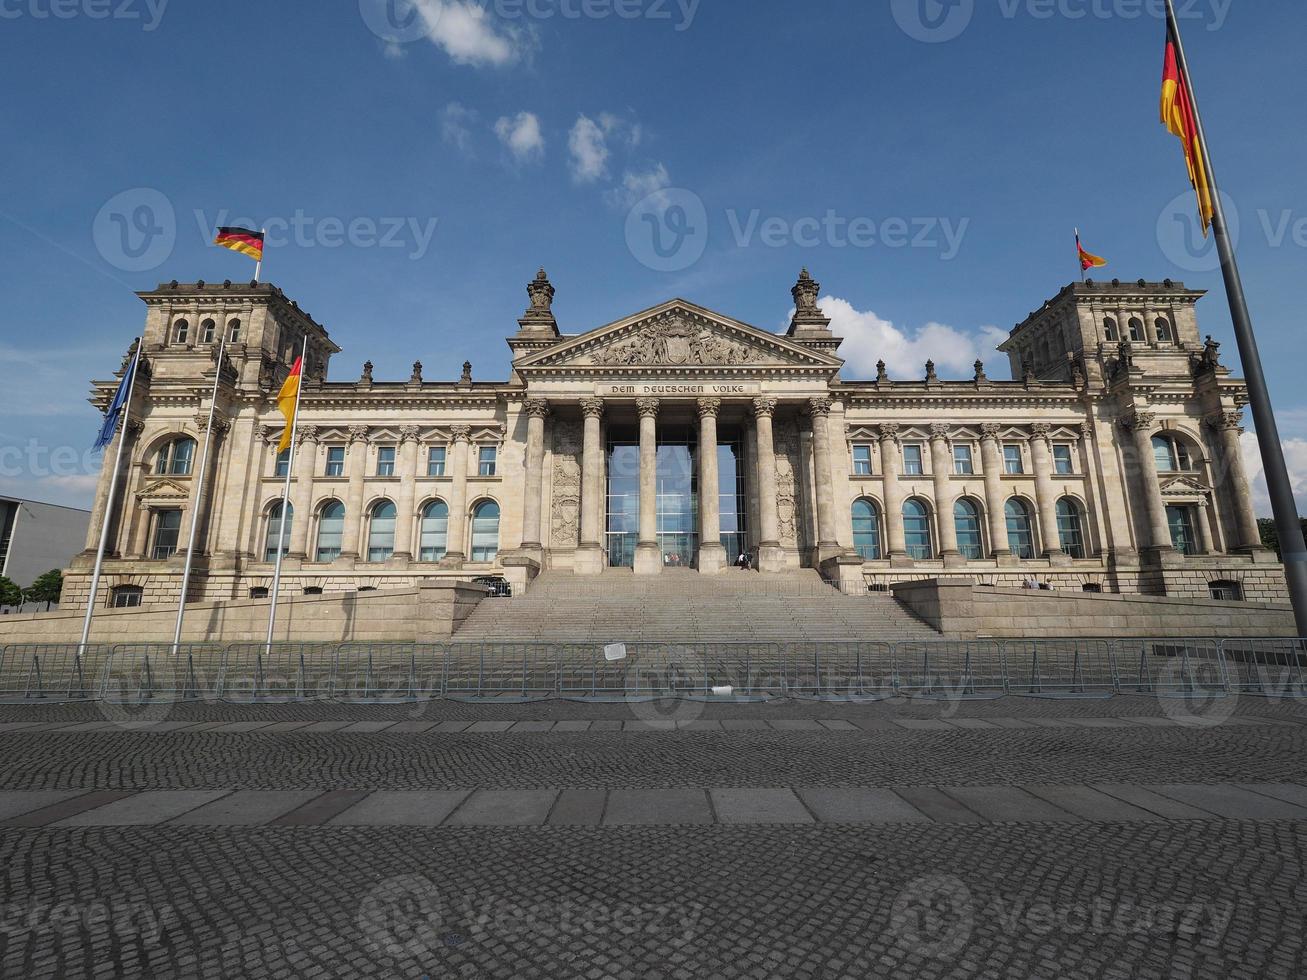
(1184, 668)
(141, 673)
(1060, 668)
(954, 670)
(44, 673)
(1272, 668)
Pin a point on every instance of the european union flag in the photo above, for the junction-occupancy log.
(116, 406)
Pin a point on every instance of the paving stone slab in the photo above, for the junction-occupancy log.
(505, 808)
(452, 727)
(320, 809)
(937, 805)
(246, 808)
(366, 727)
(248, 726)
(647, 807)
(400, 808)
(327, 726)
(1100, 722)
(924, 725)
(655, 725)
(1090, 804)
(17, 802)
(976, 723)
(410, 727)
(605, 726)
(287, 726)
(795, 725)
(531, 726)
(578, 808)
(837, 725)
(67, 808)
(1289, 792)
(144, 809)
(860, 805)
(758, 806)
(1231, 802)
(1011, 723)
(1145, 799)
(744, 725)
(1149, 721)
(571, 726)
(1002, 804)
(486, 727)
(1051, 722)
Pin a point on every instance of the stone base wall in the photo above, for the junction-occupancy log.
(963, 610)
(427, 614)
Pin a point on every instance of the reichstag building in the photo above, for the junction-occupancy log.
(680, 439)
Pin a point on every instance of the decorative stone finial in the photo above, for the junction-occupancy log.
(808, 322)
(539, 315)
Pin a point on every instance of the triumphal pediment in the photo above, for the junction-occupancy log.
(679, 335)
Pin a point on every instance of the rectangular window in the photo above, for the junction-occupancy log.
(1181, 522)
(436, 461)
(126, 597)
(283, 463)
(486, 461)
(385, 461)
(1062, 462)
(862, 461)
(962, 463)
(335, 461)
(167, 529)
(1012, 464)
(912, 465)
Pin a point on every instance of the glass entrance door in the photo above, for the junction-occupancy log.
(623, 526)
(678, 500)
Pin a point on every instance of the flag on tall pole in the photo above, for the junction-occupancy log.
(246, 242)
(1087, 259)
(120, 406)
(1180, 111)
(288, 401)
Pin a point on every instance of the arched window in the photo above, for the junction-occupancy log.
(916, 530)
(381, 532)
(966, 519)
(1070, 528)
(233, 331)
(275, 534)
(181, 331)
(485, 531)
(1163, 327)
(866, 529)
(1171, 454)
(435, 531)
(331, 531)
(207, 330)
(1020, 529)
(1110, 333)
(1136, 330)
(175, 458)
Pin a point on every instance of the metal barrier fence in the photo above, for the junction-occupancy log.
(363, 673)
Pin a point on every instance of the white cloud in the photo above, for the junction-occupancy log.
(521, 135)
(467, 34)
(456, 127)
(1295, 457)
(636, 186)
(588, 145)
(868, 338)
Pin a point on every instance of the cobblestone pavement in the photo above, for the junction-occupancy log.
(892, 839)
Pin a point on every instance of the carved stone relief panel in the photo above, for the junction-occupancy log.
(565, 519)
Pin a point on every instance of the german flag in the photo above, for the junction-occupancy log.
(241, 240)
(1088, 260)
(1179, 117)
(288, 401)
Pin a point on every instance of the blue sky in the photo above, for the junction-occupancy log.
(416, 166)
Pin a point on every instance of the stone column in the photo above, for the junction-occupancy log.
(1041, 458)
(771, 557)
(1158, 536)
(827, 543)
(896, 546)
(1207, 544)
(301, 499)
(1247, 537)
(406, 500)
(991, 460)
(358, 469)
(537, 410)
(590, 557)
(202, 480)
(648, 554)
(941, 466)
(455, 553)
(712, 554)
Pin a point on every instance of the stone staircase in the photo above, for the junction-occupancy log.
(684, 606)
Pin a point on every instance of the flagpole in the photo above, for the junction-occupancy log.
(258, 264)
(113, 495)
(1079, 261)
(199, 498)
(285, 499)
(1293, 551)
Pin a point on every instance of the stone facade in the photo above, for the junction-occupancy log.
(1112, 464)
